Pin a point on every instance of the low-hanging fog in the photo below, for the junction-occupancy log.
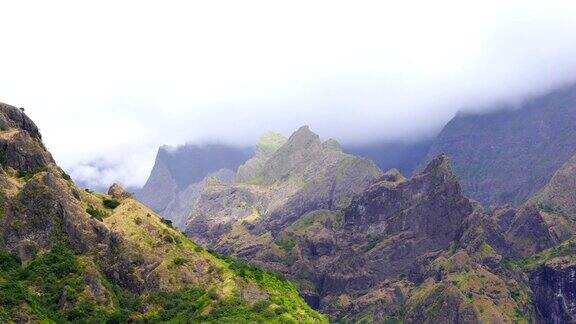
(110, 81)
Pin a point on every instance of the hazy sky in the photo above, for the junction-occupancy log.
(109, 81)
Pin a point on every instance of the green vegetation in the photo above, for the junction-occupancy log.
(286, 242)
(27, 175)
(96, 213)
(279, 307)
(110, 203)
(566, 249)
(167, 222)
(66, 176)
(180, 261)
(37, 290)
(53, 288)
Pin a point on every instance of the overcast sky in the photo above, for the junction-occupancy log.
(110, 81)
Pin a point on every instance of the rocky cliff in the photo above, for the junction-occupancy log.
(508, 155)
(71, 255)
(179, 174)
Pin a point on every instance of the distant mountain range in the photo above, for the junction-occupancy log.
(362, 243)
(482, 231)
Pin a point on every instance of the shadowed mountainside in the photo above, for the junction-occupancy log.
(507, 156)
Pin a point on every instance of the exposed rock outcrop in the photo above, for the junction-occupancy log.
(554, 287)
(117, 192)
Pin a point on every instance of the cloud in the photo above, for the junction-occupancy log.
(109, 82)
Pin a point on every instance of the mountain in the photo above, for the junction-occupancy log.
(362, 244)
(508, 155)
(300, 175)
(69, 255)
(179, 173)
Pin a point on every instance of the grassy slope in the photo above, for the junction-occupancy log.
(194, 284)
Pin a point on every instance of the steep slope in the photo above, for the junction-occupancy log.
(179, 173)
(559, 195)
(507, 156)
(68, 255)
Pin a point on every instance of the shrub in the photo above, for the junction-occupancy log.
(180, 261)
(65, 176)
(96, 213)
(167, 222)
(111, 203)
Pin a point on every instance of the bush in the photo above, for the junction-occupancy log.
(167, 222)
(96, 213)
(180, 261)
(111, 203)
(65, 176)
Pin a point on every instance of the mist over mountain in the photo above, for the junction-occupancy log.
(508, 155)
(302, 162)
(390, 73)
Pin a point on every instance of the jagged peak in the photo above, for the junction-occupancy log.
(440, 165)
(118, 192)
(304, 135)
(12, 117)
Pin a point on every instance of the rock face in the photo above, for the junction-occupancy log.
(554, 286)
(507, 156)
(179, 173)
(67, 256)
(117, 192)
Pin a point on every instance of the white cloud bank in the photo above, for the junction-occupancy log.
(110, 81)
